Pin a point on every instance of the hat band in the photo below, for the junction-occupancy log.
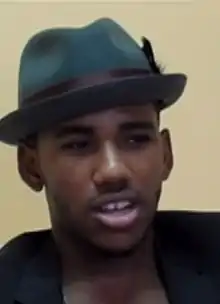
(83, 82)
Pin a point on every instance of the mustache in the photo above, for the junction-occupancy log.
(125, 195)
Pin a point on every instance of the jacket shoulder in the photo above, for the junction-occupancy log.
(14, 258)
(198, 231)
(16, 252)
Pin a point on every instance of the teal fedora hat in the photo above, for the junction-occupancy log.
(68, 72)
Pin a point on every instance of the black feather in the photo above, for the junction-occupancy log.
(148, 51)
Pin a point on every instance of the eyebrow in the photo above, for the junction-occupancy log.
(89, 130)
(73, 129)
(129, 126)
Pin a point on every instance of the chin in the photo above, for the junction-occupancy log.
(118, 246)
(116, 252)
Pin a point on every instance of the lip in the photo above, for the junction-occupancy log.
(119, 219)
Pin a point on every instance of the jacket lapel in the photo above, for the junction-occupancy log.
(40, 282)
(186, 276)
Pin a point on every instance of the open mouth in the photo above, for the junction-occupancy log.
(116, 206)
(118, 214)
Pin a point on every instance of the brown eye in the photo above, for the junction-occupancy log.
(76, 145)
(137, 140)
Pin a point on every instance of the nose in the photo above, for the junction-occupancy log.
(111, 173)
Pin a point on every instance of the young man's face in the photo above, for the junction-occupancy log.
(103, 175)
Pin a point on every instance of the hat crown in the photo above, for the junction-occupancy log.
(56, 55)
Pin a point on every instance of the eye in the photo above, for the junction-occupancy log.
(138, 140)
(77, 145)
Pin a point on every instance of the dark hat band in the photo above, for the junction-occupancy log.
(83, 82)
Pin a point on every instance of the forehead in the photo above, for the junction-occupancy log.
(107, 121)
(116, 116)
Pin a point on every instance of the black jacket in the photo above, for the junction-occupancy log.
(188, 246)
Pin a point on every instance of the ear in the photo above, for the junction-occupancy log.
(28, 167)
(167, 154)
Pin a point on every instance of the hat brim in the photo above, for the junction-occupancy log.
(138, 90)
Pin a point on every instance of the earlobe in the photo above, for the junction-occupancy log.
(27, 168)
(168, 154)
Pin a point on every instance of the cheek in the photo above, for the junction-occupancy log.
(69, 179)
(148, 169)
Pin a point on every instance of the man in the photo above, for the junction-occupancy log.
(88, 134)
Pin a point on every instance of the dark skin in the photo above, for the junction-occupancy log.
(81, 160)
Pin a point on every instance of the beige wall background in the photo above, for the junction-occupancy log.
(186, 37)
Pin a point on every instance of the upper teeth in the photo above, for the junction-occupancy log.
(116, 206)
